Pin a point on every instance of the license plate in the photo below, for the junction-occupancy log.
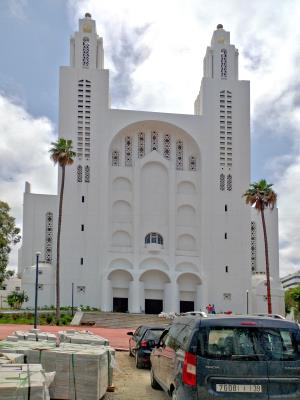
(227, 387)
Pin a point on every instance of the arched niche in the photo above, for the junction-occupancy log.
(154, 279)
(186, 187)
(188, 282)
(186, 242)
(122, 184)
(120, 263)
(121, 211)
(186, 267)
(120, 278)
(121, 239)
(154, 263)
(186, 215)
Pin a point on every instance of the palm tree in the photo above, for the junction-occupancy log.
(61, 152)
(260, 196)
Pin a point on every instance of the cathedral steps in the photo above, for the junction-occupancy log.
(120, 320)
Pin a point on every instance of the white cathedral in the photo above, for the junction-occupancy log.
(153, 215)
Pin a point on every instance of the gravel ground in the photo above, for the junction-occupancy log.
(132, 383)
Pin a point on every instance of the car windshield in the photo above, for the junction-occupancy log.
(248, 343)
(153, 334)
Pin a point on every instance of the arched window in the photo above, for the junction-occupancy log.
(154, 237)
(87, 174)
(49, 237)
(85, 52)
(115, 159)
(179, 154)
(79, 173)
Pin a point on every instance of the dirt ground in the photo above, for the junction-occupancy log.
(132, 383)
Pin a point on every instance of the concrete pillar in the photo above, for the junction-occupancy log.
(106, 295)
(171, 297)
(142, 296)
(199, 304)
(134, 297)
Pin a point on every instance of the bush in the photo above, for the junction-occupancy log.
(16, 299)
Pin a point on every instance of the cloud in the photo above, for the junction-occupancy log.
(24, 144)
(18, 8)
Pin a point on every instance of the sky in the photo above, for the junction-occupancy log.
(154, 51)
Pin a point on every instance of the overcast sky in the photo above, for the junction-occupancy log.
(154, 50)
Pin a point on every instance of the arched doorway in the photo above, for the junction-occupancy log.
(154, 290)
(120, 289)
(188, 284)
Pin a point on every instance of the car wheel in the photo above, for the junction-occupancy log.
(138, 363)
(153, 381)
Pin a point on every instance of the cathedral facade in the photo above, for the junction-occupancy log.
(153, 215)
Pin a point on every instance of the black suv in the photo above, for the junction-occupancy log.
(232, 357)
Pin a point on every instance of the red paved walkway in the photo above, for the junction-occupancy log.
(117, 337)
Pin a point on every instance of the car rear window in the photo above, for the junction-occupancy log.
(248, 343)
(153, 334)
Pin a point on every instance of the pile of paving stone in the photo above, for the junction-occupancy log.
(84, 371)
(82, 337)
(24, 381)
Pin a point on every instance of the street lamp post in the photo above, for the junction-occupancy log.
(38, 253)
(247, 299)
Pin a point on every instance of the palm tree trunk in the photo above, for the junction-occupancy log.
(267, 262)
(61, 197)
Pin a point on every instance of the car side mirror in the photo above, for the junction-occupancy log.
(130, 333)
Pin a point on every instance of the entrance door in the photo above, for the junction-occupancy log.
(120, 304)
(186, 306)
(153, 306)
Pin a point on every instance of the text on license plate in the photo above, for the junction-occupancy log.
(227, 387)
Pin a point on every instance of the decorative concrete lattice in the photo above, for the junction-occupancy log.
(115, 159)
(167, 147)
(154, 141)
(79, 173)
(192, 163)
(253, 246)
(141, 145)
(87, 174)
(222, 182)
(128, 151)
(229, 182)
(223, 64)
(49, 237)
(179, 155)
(85, 52)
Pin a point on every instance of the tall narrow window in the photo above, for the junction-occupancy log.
(154, 141)
(115, 159)
(85, 52)
(192, 163)
(87, 174)
(229, 182)
(222, 182)
(141, 145)
(128, 151)
(167, 147)
(49, 237)
(223, 64)
(179, 155)
(79, 173)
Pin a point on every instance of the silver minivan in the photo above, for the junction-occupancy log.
(232, 357)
